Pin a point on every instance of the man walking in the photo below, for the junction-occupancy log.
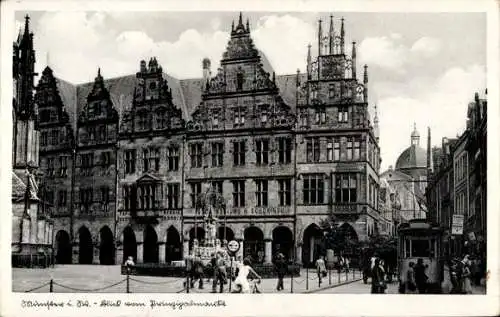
(281, 269)
(320, 268)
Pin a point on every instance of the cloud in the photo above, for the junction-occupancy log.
(384, 52)
(441, 106)
(426, 46)
(274, 33)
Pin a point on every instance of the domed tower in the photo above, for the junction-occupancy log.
(413, 160)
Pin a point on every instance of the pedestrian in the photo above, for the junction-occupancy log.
(420, 276)
(130, 262)
(378, 284)
(466, 276)
(281, 269)
(320, 268)
(198, 272)
(346, 263)
(189, 271)
(411, 286)
(219, 273)
(241, 282)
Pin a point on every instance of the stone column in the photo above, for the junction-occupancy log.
(311, 250)
(268, 251)
(139, 252)
(76, 250)
(26, 230)
(185, 249)
(298, 254)
(41, 232)
(95, 258)
(51, 234)
(119, 255)
(161, 252)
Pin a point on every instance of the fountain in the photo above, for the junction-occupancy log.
(208, 203)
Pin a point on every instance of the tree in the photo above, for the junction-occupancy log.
(335, 237)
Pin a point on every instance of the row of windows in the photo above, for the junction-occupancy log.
(335, 150)
(461, 204)
(461, 168)
(262, 151)
(143, 121)
(151, 159)
(239, 191)
(52, 137)
(150, 196)
(62, 167)
(320, 117)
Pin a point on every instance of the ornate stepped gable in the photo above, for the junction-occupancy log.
(333, 67)
(51, 108)
(99, 106)
(241, 73)
(152, 106)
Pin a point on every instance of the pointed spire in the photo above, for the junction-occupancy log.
(331, 34)
(365, 83)
(274, 78)
(353, 58)
(26, 25)
(248, 25)
(342, 36)
(320, 36)
(297, 80)
(240, 21)
(375, 124)
(99, 72)
(429, 153)
(232, 26)
(309, 61)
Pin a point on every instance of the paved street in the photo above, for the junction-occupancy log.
(95, 278)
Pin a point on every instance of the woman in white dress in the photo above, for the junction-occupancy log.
(241, 280)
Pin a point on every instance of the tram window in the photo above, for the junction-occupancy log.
(420, 248)
(407, 248)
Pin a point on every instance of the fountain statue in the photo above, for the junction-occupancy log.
(209, 203)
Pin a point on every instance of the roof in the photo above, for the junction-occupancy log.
(413, 157)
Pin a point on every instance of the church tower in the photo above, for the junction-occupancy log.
(26, 134)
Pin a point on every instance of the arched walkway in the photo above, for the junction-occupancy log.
(196, 233)
(85, 246)
(106, 247)
(129, 244)
(283, 242)
(150, 245)
(64, 250)
(225, 233)
(254, 244)
(350, 238)
(173, 247)
(311, 244)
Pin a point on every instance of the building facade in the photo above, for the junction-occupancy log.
(32, 226)
(285, 152)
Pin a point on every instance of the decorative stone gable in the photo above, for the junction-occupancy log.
(99, 105)
(48, 100)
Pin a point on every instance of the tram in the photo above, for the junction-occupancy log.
(419, 239)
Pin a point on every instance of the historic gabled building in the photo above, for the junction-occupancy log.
(285, 152)
(240, 142)
(57, 156)
(94, 188)
(32, 226)
(338, 156)
(150, 171)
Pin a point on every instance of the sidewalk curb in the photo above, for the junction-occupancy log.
(332, 286)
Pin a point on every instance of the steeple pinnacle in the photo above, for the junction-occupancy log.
(26, 25)
(331, 35)
(309, 61)
(342, 36)
(375, 124)
(320, 36)
(365, 83)
(353, 59)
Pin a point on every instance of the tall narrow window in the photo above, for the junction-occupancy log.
(345, 188)
(218, 187)
(102, 133)
(312, 148)
(196, 155)
(357, 148)
(320, 116)
(262, 151)
(239, 193)
(173, 158)
(130, 161)
(285, 150)
(239, 148)
(217, 154)
(43, 138)
(154, 159)
(63, 166)
(127, 197)
(343, 114)
(54, 137)
(173, 196)
(284, 192)
(239, 79)
(195, 192)
(239, 116)
(145, 160)
(313, 190)
(261, 193)
(336, 149)
(329, 150)
(106, 159)
(349, 148)
(61, 202)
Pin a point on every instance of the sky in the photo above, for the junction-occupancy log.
(424, 68)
